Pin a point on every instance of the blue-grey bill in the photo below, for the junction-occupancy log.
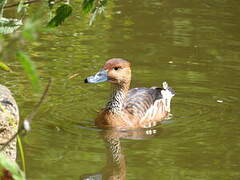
(101, 76)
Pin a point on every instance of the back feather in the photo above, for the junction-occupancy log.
(145, 103)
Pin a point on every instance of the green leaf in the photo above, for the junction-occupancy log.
(51, 3)
(21, 152)
(4, 67)
(20, 6)
(62, 13)
(30, 70)
(97, 10)
(10, 168)
(2, 1)
(29, 31)
(103, 2)
(8, 26)
(87, 6)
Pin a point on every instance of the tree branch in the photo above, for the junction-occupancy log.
(29, 118)
(28, 2)
(16, 4)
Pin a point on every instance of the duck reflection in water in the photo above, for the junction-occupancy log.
(115, 168)
(127, 113)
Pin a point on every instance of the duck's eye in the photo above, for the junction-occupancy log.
(116, 68)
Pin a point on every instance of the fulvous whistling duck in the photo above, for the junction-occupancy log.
(134, 108)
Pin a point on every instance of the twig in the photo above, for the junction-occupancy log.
(16, 4)
(29, 118)
(10, 140)
(73, 75)
(37, 106)
(28, 2)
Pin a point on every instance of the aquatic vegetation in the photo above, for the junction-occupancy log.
(25, 28)
(10, 170)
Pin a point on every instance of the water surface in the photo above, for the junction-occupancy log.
(193, 45)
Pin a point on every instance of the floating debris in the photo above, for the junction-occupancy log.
(26, 125)
(220, 101)
(73, 76)
(118, 12)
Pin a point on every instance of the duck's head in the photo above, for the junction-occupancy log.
(116, 71)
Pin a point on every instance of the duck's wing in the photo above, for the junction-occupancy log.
(149, 104)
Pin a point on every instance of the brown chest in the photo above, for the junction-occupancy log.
(107, 119)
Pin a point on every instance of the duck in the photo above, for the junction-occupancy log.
(130, 108)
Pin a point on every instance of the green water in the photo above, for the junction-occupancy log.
(193, 45)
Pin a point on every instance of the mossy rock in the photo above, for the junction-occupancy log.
(9, 120)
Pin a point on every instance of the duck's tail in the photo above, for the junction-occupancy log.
(167, 94)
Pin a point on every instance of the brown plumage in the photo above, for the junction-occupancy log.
(134, 108)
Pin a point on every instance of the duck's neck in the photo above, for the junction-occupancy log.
(118, 98)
